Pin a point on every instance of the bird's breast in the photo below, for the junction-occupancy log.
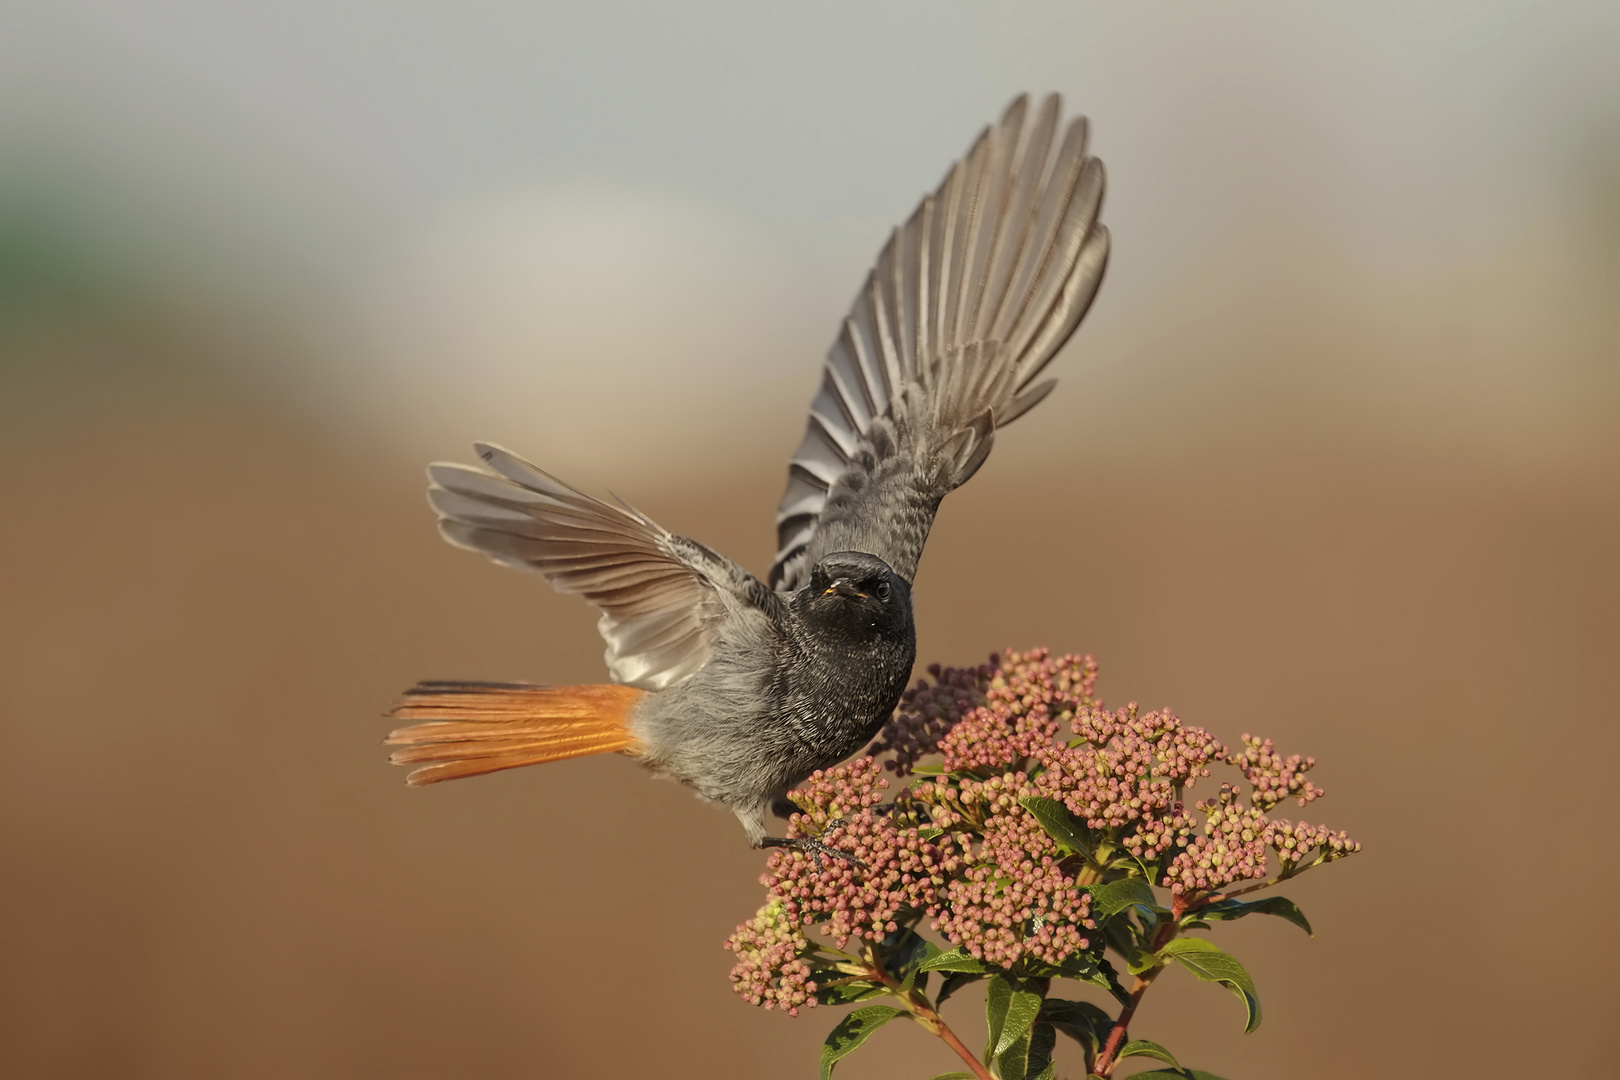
(844, 697)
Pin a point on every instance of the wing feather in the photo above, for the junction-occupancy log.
(662, 597)
(968, 302)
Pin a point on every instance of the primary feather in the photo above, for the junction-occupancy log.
(968, 302)
(661, 596)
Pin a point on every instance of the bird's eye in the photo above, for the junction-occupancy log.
(882, 590)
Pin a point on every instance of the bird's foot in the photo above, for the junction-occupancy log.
(816, 849)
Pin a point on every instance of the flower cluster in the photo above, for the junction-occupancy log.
(970, 714)
(1130, 767)
(1013, 897)
(1230, 849)
(964, 849)
(1274, 778)
(1302, 844)
(770, 968)
(887, 870)
(926, 713)
(1026, 702)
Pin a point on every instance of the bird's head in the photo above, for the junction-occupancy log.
(856, 594)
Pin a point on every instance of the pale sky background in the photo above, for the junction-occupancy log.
(560, 224)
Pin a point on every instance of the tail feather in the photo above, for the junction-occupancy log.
(472, 728)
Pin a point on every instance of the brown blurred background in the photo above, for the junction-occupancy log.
(1333, 460)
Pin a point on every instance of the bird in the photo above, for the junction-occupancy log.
(741, 688)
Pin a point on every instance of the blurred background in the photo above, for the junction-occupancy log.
(1333, 459)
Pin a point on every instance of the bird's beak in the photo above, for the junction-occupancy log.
(844, 587)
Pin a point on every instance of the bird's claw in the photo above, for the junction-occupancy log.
(813, 847)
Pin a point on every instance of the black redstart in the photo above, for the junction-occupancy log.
(738, 689)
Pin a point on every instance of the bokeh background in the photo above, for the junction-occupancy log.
(1333, 459)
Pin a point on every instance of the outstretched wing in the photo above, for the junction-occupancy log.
(662, 596)
(968, 302)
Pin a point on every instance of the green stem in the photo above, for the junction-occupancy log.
(1256, 887)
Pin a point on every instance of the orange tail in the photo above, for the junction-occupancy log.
(476, 727)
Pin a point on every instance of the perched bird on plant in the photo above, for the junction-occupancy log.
(737, 688)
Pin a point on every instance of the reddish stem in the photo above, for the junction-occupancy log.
(1116, 1037)
(924, 1013)
(931, 1020)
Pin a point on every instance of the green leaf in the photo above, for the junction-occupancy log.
(955, 960)
(1111, 897)
(1143, 867)
(1081, 1021)
(954, 981)
(1042, 1042)
(1144, 1048)
(1121, 935)
(1201, 957)
(1280, 906)
(851, 1031)
(1057, 1010)
(1140, 960)
(997, 996)
(908, 950)
(1121, 995)
(1013, 1062)
(1022, 1009)
(1059, 824)
(1029, 1056)
(1087, 1039)
(847, 992)
(933, 768)
(932, 833)
(1081, 967)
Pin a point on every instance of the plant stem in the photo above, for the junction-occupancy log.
(1256, 887)
(930, 1019)
(1116, 1037)
(922, 1010)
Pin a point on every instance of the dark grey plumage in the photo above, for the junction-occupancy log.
(797, 684)
(749, 689)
